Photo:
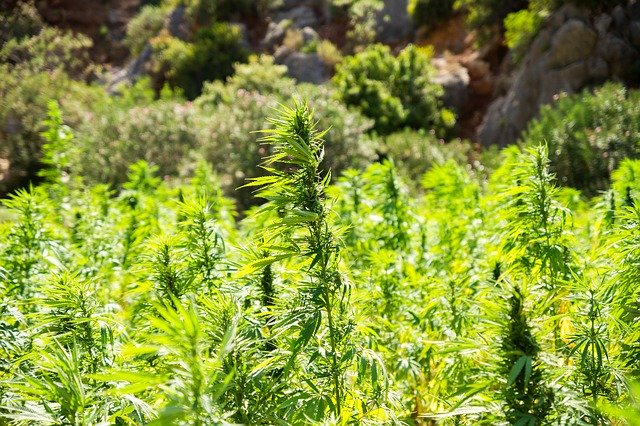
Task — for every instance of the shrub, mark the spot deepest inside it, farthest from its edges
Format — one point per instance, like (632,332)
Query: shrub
(520,28)
(225,137)
(329,53)
(346,142)
(19,22)
(394,91)
(144,26)
(429,12)
(113,136)
(362,16)
(589,134)
(23,108)
(206,11)
(49,50)
(210,56)
(484,13)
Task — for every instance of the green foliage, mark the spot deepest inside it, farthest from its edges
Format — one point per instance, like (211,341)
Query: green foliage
(416,152)
(228,114)
(362,16)
(394,91)
(210,56)
(429,12)
(144,26)
(588,135)
(490,12)
(159,132)
(471,301)
(50,50)
(520,28)
(19,22)
(261,75)
(528,401)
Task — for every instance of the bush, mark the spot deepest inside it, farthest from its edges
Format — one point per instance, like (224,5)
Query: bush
(261,75)
(520,28)
(589,134)
(116,134)
(23,107)
(429,12)
(206,11)
(483,13)
(20,22)
(346,143)
(394,91)
(49,50)
(329,53)
(144,26)
(210,56)
(362,16)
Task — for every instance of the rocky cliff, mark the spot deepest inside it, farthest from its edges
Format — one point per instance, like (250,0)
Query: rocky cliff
(573,50)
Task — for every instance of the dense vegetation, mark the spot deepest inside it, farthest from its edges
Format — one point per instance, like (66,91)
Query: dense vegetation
(218,243)
(335,301)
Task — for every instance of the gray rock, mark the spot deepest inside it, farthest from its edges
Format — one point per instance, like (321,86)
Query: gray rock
(573,77)
(177,24)
(598,68)
(619,16)
(634,11)
(634,33)
(571,11)
(542,42)
(602,23)
(274,36)
(300,16)
(573,41)
(393,22)
(455,83)
(309,35)
(568,54)
(304,67)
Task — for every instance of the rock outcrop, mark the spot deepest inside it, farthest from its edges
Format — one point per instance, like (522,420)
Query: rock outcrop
(572,51)
(454,79)
(393,22)
(304,67)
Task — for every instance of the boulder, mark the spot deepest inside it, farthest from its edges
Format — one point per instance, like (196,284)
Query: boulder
(300,16)
(177,23)
(454,80)
(309,35)
(570,53)
(274,36)
(304,67)
(573,41)
(393,22)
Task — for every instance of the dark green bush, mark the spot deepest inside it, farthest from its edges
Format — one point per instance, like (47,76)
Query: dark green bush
(210,56)
(49,50)
(429,12)
(19,22)
(144,26)
(394,91)
(484,13)
(24,94)
(589,134)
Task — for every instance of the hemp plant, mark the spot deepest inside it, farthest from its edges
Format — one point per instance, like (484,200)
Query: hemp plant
(301,230)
